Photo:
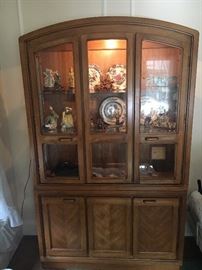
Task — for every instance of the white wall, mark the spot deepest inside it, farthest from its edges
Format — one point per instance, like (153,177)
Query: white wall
(18,17)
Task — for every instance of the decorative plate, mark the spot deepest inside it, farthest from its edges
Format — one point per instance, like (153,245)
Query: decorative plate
(117,73)
(113,111)
(94,76)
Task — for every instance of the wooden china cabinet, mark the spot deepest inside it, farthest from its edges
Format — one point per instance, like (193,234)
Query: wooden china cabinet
(109,104)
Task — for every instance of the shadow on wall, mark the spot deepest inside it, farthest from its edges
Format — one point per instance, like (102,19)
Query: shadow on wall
(5,147)
(15,156)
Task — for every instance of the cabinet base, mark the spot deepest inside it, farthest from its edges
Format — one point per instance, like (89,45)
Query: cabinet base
(112,265)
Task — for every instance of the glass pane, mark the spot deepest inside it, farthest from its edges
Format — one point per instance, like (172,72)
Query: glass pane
(56,83)
(107,73)
(61,160)
(157,160)
(109,160)
(160,78)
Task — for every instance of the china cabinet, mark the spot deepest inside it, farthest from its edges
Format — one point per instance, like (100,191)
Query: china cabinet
(109,105)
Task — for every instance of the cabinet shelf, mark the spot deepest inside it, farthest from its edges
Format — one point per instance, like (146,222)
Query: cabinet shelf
(59,91)
(107,94)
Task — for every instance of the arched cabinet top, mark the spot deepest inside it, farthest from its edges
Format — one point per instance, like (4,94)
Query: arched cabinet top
(113,21)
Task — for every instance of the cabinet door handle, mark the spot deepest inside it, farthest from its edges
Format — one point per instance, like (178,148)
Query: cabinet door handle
(149,201)
(151,138)
(69,200)
(65,139)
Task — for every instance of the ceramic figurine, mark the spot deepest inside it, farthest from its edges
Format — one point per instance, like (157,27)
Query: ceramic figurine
(71,80)
(67,120)
(51,120)
(57,79)
(49,79)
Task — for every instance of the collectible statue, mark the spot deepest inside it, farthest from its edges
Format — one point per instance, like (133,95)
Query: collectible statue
(49,79)
(67,120)
(52,79)
(71,80)
(57,78)
(51,120)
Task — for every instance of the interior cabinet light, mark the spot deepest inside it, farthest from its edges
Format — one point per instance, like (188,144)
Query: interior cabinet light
(111,44)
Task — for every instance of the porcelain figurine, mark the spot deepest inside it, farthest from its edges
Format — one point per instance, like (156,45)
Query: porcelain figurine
(57,78)
(51,120)
(67,120)
(71,80)
(49,78)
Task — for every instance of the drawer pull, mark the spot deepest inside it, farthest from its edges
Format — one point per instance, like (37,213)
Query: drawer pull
(69,200)
(149,201)
(151,139)
(65,139)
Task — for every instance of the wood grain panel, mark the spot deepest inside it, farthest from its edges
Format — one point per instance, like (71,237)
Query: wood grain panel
(64,221)
(155,228)
(109,227)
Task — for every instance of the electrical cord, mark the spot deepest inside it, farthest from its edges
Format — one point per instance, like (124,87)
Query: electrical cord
(25,188)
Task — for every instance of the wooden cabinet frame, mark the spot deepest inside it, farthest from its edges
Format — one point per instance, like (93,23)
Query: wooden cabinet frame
(169,194)
(62,138)
(122,137)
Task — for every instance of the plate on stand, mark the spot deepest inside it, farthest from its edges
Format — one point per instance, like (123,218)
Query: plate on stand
(117,73)
(94,77)
(113,111)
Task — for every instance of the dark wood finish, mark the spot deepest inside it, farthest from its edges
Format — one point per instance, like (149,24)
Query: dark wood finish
(65,226)
(109,226)
(132,221)
(155,228)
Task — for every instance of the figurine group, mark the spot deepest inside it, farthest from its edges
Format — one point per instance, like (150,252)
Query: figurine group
(165,120)
(67,122)
(52,79)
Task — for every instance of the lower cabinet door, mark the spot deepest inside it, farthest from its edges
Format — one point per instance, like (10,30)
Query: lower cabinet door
(64,226)
(109,226)
(155,228)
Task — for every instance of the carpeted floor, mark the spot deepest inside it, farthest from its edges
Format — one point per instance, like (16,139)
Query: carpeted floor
(27,256)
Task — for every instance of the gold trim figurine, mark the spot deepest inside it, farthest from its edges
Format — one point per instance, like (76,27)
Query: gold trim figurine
(51,120)
(67,120)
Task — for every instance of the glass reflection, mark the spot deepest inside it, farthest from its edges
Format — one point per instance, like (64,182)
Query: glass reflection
(157,160)
(109,160)
(159,87)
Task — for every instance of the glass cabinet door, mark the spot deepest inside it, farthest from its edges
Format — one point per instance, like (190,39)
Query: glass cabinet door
(56,83)
(107,101)
(107,85)
(59,113)
(160,80)
(109,160)
(61,160)
(157,161)
(160,117)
